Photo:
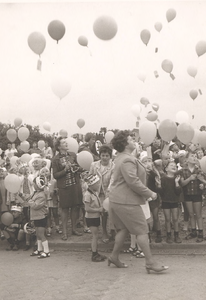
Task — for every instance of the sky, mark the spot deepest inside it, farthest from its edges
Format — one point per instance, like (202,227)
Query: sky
(104,76)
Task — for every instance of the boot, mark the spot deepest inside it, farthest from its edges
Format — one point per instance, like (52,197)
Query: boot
(199,236)
(177,239)
(192,235)
(158,237)
(169,238)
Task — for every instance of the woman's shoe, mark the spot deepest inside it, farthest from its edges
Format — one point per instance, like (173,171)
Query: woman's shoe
(35,253)
(117,263)
(139,254)
(44,255)
(131,250)
(156,269)
(64,237)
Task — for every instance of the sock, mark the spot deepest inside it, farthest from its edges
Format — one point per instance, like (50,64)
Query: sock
(39,245)
(45,245)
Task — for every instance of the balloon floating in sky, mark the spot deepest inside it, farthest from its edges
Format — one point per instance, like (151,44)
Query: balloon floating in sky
(56,30)
(60,86)
(47,126)
(167,130)
(136,109)
(105,28)
(155,106)
(193,94)
(185,133)
(23,133)
(17,122)
(192,71)
(80,123)
(147,132)
(11,135)
(158,26)
(167,66)
(145,36)
(142,76)
(83,41)
(182,117)
(170,14)
(144,101)
(37,44)
(201,48)
(152,116)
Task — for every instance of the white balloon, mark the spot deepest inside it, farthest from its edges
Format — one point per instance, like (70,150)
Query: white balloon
(182,117)
(60,86)
(136,110)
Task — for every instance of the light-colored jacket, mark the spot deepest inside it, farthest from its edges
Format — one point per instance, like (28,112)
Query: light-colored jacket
(106,177)
(38,207)
(129,181)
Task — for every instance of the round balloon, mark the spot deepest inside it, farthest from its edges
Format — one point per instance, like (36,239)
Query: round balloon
(23,133)
(11,135)
(47,126)
(105,204)
(202,138)
(155,106)
(144,101)
(192,71)
(136,109)
(83,41)
(13,160)
(80,123)
(17,122)
(152,116)
(105,28)
(203,164)
(109,136)
(63,133)
(85,159)
(158,26)
(60,86)
(26,157)
(195,137)
(193,94)
(37,42)
(56,30)
(170,14)
(167,130)
(72,144)
(201,48)
(41,144)
(7,218)
(142,76)
(147,132)
(182,117)
(185,133)
(167,65)
(145,36)
(24,146)
(12,183)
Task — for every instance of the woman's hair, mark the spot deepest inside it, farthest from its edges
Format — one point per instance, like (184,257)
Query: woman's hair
(105,149)
(119,141)
(57,143)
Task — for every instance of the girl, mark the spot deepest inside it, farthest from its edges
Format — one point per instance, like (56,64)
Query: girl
(170,190)
(93,210)
(38,214)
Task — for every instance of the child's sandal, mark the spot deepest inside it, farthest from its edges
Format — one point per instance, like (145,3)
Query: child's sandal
(36,253)
(44,255)
(130,250)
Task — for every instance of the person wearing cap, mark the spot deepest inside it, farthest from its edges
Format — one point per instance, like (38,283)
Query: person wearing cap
(93,208)
(38,214)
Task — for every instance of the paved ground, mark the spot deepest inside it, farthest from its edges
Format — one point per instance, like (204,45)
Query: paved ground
(70,275)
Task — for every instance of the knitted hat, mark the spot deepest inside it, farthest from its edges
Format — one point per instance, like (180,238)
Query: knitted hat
(16,208)
(40,182)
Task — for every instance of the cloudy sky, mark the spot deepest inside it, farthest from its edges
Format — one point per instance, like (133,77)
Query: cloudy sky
(104,76)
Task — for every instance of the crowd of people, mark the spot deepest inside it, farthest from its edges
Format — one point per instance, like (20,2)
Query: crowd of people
(138,180)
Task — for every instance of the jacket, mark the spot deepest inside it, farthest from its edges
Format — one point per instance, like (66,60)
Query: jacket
(129,181)
(38,207)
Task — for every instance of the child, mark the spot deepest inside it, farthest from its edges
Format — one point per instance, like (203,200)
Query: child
(170,190)
(93,210)
(38,214)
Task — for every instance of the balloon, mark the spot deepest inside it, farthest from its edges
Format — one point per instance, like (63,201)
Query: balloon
(12,183)
(167,65)
(141,76)
(47,126)
(201,48)
(85,159)
(80,123)
(202,138)
(109,136)
(167,130)
(147,132)
(24,146)
(37,42)
(60,86)
(158,26)
(195,137)
(145,36)
(193,94)
(182,117)
(152,116)
(170,14)
(63,133)
(11,135)
(83,41)
(7,218)
(185,133)
(72,144)
(13,160)
(203,164)
(26,157)
(136,109)
(192,71)
(105,28)
(155,106)
(41,144)
(144,101)
(17,122)
(105,204)
(56,30)
(23,133)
